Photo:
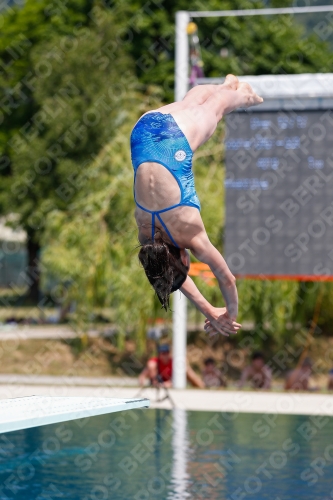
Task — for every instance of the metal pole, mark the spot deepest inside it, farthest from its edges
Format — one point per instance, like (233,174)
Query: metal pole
(179,336)
(179,300)
(261,12)
(182,55)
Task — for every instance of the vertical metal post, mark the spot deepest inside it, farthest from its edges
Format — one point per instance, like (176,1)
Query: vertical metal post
(179,300)
(182,55)
(179,336)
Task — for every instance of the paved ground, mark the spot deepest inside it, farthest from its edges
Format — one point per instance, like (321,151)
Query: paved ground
(50,380)
(13,332)
(189,399)
(23,332)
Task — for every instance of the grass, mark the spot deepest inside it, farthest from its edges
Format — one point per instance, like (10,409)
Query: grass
(54,357)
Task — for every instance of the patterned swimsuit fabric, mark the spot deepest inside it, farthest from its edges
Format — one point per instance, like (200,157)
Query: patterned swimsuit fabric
(157,138)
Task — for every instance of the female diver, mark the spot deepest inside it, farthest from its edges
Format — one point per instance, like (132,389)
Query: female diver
(167,207)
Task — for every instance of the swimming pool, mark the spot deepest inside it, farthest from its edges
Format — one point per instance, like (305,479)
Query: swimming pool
(171,455)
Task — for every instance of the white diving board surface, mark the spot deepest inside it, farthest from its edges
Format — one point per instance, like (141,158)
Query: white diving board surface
(33,411)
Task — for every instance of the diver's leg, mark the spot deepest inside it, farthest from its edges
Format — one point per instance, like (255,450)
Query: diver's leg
(200,93)
(198,122)
(223,102)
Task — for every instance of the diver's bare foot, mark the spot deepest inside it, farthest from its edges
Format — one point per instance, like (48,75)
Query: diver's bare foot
(231,82)
(248,96)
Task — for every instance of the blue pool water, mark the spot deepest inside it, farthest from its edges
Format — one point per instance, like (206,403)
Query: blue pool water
(171,455)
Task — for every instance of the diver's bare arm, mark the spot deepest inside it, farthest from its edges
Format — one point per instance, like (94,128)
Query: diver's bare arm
(203,250)
(215,315)
(191,291)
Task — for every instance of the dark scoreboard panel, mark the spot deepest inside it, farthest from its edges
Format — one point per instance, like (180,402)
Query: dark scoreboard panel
(279,193)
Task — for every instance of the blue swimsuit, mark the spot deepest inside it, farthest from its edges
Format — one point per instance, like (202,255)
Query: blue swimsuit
(157,138)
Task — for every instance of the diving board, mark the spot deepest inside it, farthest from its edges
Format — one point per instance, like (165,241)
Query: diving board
(33,411)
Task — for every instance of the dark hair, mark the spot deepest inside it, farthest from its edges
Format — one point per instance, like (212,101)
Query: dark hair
(257,355)
(209,361)
(164,268)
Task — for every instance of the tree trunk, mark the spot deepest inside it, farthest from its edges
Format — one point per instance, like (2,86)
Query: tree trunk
(33,270)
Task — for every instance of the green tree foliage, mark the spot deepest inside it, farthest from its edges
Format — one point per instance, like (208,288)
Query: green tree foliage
(21,30)
(27,172)
(252,45)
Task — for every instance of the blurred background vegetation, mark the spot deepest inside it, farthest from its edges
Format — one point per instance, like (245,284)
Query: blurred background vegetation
(73,85)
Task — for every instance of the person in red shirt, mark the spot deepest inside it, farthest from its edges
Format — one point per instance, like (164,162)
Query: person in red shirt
(159,370)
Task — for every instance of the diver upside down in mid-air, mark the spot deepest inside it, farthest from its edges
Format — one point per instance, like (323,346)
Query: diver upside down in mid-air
(163,142)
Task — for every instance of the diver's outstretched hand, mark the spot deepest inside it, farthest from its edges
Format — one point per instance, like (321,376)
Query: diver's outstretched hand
(221,323)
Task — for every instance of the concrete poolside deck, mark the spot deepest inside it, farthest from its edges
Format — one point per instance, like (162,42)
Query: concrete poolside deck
(12,386)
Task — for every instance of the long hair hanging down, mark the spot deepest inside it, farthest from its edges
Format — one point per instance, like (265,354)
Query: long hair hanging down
(164,268)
